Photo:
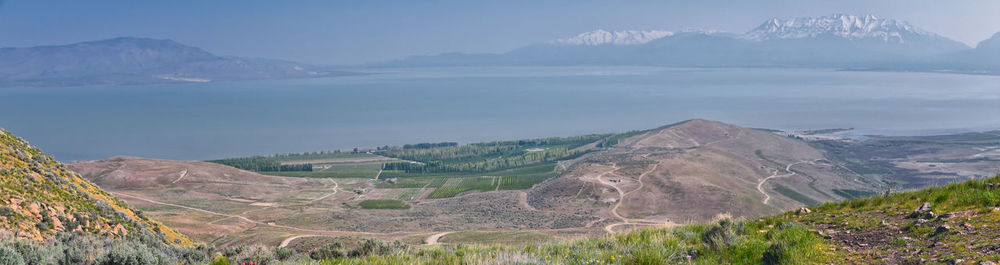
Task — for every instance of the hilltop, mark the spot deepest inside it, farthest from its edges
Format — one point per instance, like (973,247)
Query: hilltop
(694,171)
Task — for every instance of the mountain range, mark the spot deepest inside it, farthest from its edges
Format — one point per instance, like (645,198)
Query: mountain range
(130,60)
(836,41)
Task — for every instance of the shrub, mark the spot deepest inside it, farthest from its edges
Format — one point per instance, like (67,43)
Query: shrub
(6,211)
(76,254)
(220,260)
(375,248)
(10,257)
(30,252)
(719,236)
(328,251)
(776,254)
(234,251)
(283,253)
(130,254)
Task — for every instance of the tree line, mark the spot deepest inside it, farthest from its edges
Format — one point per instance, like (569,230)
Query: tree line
(260,164)
(428,145)
(481,161)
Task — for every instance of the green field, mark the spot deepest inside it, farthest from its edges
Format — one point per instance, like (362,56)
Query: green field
(447,168)
(463,185)
(451,184)
(493,156)
(384,204)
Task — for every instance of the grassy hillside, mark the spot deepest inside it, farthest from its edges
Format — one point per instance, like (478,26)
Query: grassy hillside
(961,227)
(40,197)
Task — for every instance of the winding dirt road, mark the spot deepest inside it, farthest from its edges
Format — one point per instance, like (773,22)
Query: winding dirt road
(788,168)
(621,198)
(433,239)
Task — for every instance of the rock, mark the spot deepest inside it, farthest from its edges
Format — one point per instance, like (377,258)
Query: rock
(942,229)
(957,261)
(804,210)
(987,263)
(920,221)
(968,226)
(921,211)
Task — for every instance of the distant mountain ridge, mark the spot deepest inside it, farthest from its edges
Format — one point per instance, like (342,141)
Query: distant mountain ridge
(130,60)
(621,37)
(836,41)
(840,25)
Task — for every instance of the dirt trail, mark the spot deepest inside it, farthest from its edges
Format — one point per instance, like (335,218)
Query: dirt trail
(788,168)
(284,243)
(522,199)
(183,174)
(185,207)
(621,196)
(311,232)
(760,186)
(335,186)
(433,239)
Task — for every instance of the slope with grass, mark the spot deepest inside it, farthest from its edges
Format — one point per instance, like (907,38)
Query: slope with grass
(881,230)
(40,197)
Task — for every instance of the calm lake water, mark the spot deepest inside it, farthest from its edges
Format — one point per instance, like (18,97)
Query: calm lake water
(399,106)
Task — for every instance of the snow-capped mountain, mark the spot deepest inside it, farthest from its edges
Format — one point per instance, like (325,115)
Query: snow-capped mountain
(837,41)
(868,27)
(621,37)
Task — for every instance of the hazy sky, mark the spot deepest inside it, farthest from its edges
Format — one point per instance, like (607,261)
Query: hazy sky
(349,31)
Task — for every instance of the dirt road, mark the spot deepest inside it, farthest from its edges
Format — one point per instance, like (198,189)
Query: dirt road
(433,239)
(621,198)
(788,168)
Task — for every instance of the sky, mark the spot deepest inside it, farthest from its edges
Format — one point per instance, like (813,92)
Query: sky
(344,32)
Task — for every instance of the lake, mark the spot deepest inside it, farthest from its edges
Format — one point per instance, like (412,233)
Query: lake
(198,121)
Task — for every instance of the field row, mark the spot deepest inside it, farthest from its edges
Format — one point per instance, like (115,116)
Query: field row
(450,185)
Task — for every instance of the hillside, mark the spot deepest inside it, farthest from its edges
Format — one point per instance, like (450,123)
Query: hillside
(694,171)
(198,193)
(40,198)
(986,56)
(130,60)
(960,227)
